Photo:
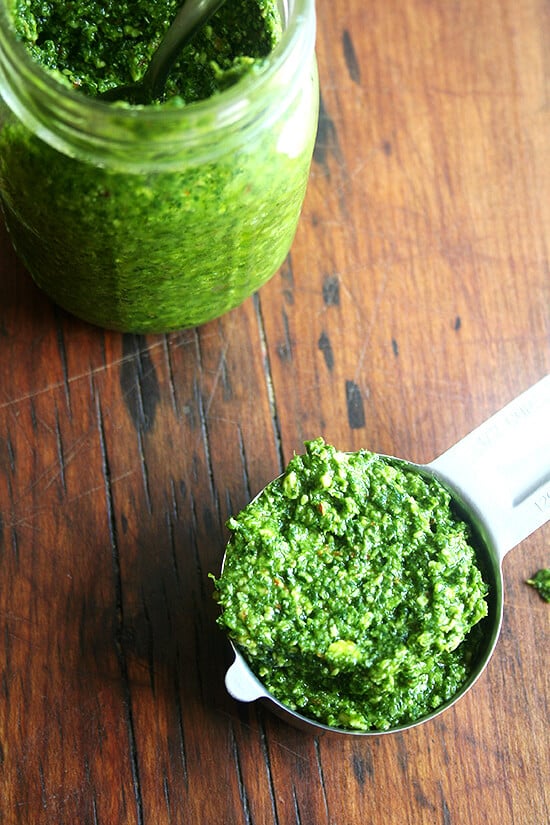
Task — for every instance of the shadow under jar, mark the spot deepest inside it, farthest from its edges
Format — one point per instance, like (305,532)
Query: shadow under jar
(159,217)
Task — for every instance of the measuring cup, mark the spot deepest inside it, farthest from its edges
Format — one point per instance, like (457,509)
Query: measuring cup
(499,480)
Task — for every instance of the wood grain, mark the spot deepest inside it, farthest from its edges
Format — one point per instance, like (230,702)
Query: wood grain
(414,303)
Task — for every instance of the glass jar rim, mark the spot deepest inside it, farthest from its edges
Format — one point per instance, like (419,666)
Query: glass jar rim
(151,137)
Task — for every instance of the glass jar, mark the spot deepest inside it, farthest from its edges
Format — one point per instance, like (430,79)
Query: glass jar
(150,219)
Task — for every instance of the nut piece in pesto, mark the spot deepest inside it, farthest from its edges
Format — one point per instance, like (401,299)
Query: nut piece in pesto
(353,591)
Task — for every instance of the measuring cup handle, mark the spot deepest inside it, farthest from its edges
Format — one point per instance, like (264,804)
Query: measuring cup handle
(241,683)
(502,468)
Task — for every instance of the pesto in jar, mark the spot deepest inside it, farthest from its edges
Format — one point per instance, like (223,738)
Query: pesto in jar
(153,245)
(352,590)
(94,46)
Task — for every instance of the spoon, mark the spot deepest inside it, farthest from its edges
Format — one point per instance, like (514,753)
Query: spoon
(499,479)
(192,15)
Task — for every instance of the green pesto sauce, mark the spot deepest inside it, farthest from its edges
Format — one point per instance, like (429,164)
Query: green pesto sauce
(352,590)
(94,46)
(541,582)
(156,251)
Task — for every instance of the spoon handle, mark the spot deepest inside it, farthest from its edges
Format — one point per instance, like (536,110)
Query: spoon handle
(192,15)
(502,468)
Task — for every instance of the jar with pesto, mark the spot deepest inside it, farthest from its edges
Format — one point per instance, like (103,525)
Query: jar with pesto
(158,217)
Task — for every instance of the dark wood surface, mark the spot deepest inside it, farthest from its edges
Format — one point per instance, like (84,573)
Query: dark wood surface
(414,304)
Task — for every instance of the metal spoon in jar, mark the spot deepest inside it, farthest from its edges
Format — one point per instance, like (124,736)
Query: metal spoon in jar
(499,479)
(191,17)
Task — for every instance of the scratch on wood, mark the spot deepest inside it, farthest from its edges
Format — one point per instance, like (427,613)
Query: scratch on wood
(14,543)
(203,419)
(446,813)
(421,797)
(362,767)
(238,769)
(244,463)
(179,710)
(268,375)
(207,521)
(26,518)
(94,811)
(296,806)
(11,452)
(351,57)
(287,276)
(166,789)
(34,420)
(42,785)
(63,358)
(372,322)
(87,375)
(331,290)
(284,347)
(150,644)
(144,471)
(170,370)
(60,457)
(51,473)
(220,375)
(326,141)
(326,348)
(271,783)
(139,383)
(321,776)
(119,615)
(171,519)
(354,403)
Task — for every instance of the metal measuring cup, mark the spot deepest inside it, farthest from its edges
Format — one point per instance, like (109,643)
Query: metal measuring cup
(499,479)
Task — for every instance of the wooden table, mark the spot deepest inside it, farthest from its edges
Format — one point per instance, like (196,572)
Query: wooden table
(414,304)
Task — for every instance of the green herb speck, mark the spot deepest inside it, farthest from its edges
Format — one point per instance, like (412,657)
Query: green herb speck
(541,582)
